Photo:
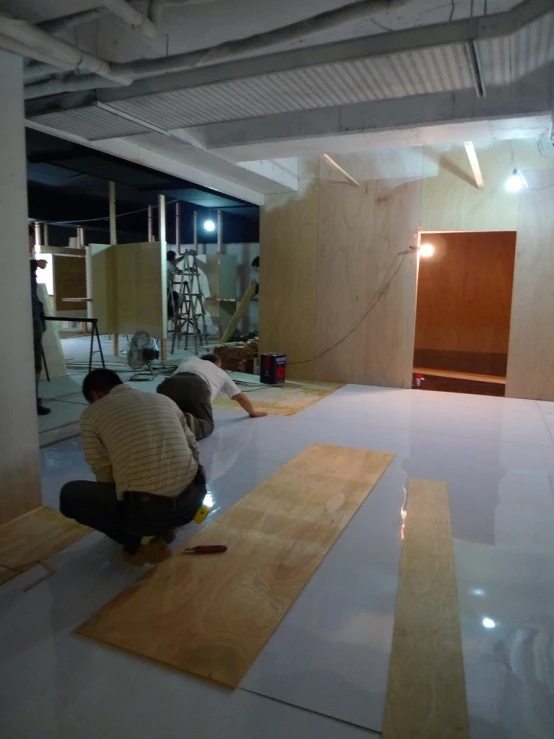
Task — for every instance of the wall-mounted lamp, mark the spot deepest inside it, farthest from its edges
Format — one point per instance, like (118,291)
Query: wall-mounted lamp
(424,250)
(209,226)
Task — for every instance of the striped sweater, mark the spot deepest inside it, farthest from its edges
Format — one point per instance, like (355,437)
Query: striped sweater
(140,441)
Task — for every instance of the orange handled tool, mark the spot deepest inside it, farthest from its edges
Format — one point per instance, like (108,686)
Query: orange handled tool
(207,549)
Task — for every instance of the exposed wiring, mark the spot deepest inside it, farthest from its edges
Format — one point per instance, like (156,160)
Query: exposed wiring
(452,10)
(106,218)
(371,306)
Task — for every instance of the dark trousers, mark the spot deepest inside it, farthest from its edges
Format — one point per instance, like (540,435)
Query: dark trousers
(192,394)
(126,521)
(37,346)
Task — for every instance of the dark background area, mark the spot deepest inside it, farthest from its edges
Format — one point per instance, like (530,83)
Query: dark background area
(69,182)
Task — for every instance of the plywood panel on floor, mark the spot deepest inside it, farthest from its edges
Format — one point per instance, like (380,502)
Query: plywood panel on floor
(33,537)
(283,400)
(531,355)
(288,255)
(464,298)
(362,234)
(426,696)
(212,615)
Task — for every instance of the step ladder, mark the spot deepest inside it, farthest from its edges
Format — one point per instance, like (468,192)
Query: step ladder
(189,315)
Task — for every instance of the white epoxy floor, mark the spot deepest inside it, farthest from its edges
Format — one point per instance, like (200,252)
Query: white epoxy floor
(323,673)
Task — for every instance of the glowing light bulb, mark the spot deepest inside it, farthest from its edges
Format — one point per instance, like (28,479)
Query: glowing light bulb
(515,182)
(209,225)
(427,250)
(488,623)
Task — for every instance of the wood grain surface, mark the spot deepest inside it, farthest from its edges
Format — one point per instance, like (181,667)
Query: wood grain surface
(464,299)
(33,537)
(288,274)
(364,233)
(70,281)
(531,357)
(426,695)
(212,615)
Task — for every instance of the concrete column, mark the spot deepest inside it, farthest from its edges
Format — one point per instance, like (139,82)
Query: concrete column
(19,459)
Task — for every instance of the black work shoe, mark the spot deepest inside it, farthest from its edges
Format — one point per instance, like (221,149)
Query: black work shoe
(43,410)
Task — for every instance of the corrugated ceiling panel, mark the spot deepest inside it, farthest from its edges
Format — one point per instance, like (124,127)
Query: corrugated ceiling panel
(398,75)
(507,59)
(91,123)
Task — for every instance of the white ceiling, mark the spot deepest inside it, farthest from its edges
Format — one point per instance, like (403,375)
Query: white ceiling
(282,103)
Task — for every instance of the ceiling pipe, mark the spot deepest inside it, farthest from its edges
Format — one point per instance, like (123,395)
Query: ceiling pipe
(242,47)
(42,46)
(158,6)
(36,71)
(10,44)
(74,83)
(131,16)
(67,22)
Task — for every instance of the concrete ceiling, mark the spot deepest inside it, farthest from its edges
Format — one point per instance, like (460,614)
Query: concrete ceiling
(429,72)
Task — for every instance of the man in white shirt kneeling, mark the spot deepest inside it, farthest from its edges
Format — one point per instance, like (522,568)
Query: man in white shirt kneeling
(149,480)
(195,384)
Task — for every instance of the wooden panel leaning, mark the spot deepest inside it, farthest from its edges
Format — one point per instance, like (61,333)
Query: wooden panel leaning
(426,695)
(211,616)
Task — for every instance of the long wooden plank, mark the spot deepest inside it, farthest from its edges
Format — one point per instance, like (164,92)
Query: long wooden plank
(461,375)
(426,696)
(33,537)
(212,615)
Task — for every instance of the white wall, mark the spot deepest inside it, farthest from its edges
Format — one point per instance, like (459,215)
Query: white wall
(19,461)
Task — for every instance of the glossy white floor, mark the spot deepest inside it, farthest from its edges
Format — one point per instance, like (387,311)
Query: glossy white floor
(323,673)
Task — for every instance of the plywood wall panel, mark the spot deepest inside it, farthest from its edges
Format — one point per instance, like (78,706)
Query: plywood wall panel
(362,234)
(450,198)
(531,352)
(464,301)
(288,255)
(140,290)
(101,277)
(70,281)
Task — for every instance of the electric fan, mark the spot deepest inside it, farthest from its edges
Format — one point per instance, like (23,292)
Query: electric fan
(143,350)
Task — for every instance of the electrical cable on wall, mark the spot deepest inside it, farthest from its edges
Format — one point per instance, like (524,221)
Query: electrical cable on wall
(372,305)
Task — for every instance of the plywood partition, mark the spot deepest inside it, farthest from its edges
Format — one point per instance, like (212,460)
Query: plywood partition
(128,288)
(531,352)
(288,256)
(70,281)
(463,302)
(141,302)
(364,234)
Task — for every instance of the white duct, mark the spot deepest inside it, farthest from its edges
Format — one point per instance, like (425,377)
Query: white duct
(39,45)
(70,21)
(130,15)
(158,6)
(9,44)
(353,12)
(74,83)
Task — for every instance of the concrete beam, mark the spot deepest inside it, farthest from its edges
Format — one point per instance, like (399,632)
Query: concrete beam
(132,152)
(529,96)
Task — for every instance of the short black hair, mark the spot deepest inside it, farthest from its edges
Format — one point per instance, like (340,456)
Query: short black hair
(100,381)
(211,357)
(171,255)
(256,262)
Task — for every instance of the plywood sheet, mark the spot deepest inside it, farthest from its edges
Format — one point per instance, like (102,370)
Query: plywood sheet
(33,537)
(141,303)
(212,615)
(51,343)
(288,258)
(362,233)
(283,400)
(531,355)
(464,299)
(451,200)
(426,697)
(70,281)
(101,286)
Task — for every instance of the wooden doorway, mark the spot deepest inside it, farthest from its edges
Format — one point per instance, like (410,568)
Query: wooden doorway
(464,299)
